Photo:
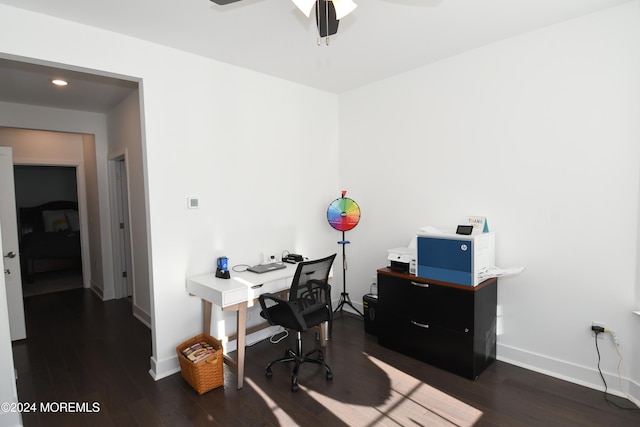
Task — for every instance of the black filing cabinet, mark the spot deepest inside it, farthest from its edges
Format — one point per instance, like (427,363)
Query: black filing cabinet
(447,325)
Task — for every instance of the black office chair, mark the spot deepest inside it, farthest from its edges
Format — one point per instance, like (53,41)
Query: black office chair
(308,305)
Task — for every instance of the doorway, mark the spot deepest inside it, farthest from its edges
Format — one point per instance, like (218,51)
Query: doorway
(110,124)
(51,256)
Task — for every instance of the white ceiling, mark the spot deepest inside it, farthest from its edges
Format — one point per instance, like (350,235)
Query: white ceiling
(379,39)
(26,83)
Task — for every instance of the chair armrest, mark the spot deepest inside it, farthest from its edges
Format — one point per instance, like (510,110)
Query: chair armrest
(269,296)
(276,299)
(290,307)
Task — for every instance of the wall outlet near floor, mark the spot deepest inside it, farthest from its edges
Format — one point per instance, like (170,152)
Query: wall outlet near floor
(600,324)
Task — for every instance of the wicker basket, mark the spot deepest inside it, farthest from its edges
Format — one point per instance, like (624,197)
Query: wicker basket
(206,374)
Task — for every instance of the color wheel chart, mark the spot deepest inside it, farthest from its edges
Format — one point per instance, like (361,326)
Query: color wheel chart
(343,215)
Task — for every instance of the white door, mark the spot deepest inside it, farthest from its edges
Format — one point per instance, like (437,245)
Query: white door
(8,389)
(11,252)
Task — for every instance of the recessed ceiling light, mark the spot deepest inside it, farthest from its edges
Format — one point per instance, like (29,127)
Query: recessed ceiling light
(59,82)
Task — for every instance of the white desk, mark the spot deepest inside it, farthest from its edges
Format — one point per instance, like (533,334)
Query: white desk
(234,295)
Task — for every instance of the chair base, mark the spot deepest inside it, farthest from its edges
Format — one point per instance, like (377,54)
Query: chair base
(299,358)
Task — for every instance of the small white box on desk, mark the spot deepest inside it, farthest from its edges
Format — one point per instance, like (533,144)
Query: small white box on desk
(454,258)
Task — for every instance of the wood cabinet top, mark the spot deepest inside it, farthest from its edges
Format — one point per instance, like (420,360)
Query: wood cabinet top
(389,272)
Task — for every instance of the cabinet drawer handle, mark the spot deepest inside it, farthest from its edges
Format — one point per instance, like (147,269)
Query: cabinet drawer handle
(420,325)
(421,285)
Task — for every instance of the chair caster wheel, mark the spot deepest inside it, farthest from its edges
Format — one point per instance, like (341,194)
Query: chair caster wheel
(268,373)
(294,387)
(329,376)
(320,356)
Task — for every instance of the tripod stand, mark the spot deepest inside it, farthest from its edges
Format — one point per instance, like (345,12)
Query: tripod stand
(344,296)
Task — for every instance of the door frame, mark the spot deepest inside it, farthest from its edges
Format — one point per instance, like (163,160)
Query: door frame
(82,207)
(121,234)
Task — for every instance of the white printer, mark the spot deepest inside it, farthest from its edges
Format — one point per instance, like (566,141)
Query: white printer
(455,258)
(403,260)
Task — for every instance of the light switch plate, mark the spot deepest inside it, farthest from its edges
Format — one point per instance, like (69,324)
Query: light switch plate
(193,203)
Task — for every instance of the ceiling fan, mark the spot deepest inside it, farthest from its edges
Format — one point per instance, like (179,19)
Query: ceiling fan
(328,13)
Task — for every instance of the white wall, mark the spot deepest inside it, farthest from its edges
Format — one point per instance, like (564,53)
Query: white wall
(102,277)
(36,147)
(251,147)
(540,134)
(125,140)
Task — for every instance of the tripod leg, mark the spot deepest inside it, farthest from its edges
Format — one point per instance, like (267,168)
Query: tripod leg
(348,300)
(344,296)
(345,299)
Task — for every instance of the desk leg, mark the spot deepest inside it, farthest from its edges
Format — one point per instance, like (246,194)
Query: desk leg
(241,341)
(323,333)
(206,321)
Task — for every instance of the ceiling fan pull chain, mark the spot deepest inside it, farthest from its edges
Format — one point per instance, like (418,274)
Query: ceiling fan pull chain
(326,15)
(319,38)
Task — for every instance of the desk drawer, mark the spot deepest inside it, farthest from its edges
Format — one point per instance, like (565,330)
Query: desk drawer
(234,296)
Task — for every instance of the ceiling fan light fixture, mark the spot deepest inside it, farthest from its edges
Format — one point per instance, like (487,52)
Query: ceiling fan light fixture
(328,14)
(305,6)
(343,7)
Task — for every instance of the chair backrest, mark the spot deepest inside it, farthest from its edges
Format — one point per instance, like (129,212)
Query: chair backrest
(308,271)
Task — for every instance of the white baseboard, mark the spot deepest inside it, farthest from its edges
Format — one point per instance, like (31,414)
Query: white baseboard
(142,316)
(97,290)
(164,368)
(581,375)
(634,392)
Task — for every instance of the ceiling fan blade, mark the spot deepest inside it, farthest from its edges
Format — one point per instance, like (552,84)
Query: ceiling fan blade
(224,2)
(305,6)
(343,7)
(326,18)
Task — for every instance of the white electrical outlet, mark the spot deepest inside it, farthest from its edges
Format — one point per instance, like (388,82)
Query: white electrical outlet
(268,257)
(599,324)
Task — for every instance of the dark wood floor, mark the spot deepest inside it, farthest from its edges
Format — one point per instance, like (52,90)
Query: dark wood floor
(83,350)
